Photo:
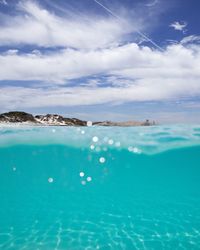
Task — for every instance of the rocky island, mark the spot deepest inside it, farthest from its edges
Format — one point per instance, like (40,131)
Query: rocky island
(18,117)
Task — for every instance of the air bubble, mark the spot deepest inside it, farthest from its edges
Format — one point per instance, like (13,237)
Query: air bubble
(83,182)
(92,147)
(130,149)
(118,144)
(89,178)
(102,160)
(50,180)
(136,150)
(82,174)
(105,149)
(110,141)
(98,149)
(95,139)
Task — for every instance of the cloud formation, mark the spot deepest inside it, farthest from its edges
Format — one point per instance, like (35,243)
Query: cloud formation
(180,26)
(193,39)
(137,74)
(4,2)
(94,49)
(40,27)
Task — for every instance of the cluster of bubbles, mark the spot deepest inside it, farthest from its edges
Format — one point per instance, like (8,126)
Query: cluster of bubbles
(134,150)
(97,146)
(81,131)
(84,181)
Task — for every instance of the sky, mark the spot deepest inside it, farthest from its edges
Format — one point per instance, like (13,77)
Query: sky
(101,59)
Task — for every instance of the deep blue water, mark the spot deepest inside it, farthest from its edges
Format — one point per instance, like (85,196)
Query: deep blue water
(140,189)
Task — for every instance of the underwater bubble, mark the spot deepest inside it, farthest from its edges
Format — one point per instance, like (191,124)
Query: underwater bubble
(95,139)
(92,147)
(14,168)
(82,132)
(82,174)
(83,182)
(102,159)
(98,149)
(130,149)
(53,130)
(105,149)
(110,141)
(89,178)
(50,180)
(136,150)
(117,144)
(89,123)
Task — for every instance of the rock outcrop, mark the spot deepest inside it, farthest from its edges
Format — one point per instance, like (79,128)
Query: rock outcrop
(17,116)
(58,120)
(54,119)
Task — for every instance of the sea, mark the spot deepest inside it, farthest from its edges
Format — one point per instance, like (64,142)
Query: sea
(86,188)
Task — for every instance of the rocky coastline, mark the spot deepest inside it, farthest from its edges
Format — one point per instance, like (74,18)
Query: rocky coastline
(19,117)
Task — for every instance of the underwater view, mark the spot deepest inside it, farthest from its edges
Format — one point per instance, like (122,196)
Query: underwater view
(99,187)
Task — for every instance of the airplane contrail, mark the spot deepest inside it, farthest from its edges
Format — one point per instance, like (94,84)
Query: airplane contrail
(120,19)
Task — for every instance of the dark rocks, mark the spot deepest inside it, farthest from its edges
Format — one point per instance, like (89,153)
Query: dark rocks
(76,121)
(49,119)
(17,116)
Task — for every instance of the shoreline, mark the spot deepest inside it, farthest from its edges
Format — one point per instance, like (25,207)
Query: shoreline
(18,118)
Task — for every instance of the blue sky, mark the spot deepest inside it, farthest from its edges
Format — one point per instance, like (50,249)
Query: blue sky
(101,60)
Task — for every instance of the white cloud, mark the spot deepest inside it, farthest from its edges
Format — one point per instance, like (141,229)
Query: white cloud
(152,3)
(130,61)
(148,75)
(132,72)
(180,26)
(38,26)
(190,39)
(4,2)
(143,90)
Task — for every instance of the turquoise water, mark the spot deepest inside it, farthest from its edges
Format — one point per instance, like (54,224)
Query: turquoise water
(100,188)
